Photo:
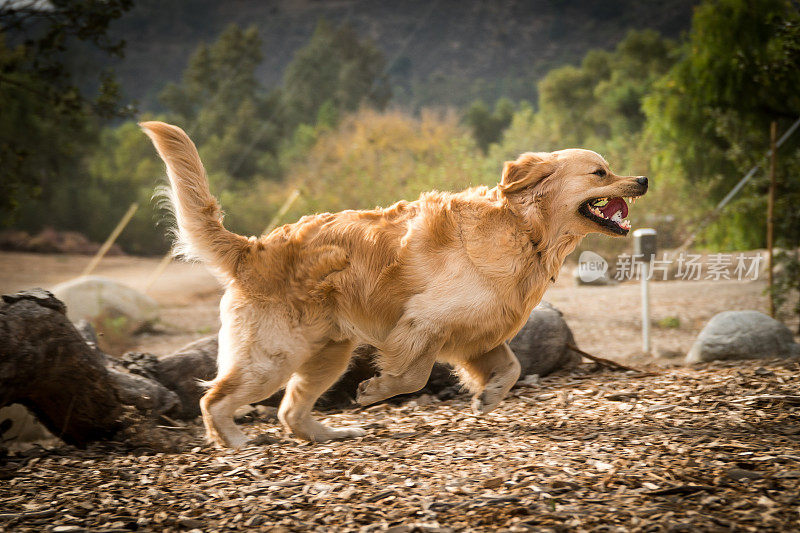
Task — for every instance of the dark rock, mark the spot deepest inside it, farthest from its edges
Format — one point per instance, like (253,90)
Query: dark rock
(38,295)
(442,381)
(146,395)
(541,344)
(738,474)
(140,363)
(46,366)
(87,331)
(71,387)
(182,371)
(541,347)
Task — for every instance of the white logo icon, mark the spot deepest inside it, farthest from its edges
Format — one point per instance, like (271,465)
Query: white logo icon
(591,266)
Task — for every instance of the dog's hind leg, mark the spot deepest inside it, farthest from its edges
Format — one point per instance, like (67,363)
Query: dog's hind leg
(406,363)
(307,384)
(252,368)
(490,376)
(229,392)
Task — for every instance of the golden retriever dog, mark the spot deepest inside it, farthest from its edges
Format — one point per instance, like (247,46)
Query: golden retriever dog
(448,277)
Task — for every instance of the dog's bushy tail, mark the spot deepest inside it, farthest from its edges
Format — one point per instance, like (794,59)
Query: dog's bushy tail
(199,233)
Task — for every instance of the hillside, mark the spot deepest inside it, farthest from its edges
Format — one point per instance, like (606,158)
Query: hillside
(439,52)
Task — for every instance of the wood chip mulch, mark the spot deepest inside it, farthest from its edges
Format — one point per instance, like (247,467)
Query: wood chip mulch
(706,448)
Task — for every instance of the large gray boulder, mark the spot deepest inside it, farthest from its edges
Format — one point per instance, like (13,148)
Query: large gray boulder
(93,297)
(541,344)
(742,335)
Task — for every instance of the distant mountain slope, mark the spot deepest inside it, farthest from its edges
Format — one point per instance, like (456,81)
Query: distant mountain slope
(440,52)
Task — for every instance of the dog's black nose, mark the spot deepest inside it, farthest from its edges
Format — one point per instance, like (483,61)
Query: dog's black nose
(641,180)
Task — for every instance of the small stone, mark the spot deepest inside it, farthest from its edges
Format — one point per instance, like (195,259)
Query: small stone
(262,440)
(739,474)
(267,412)
(493,482)
(190,523)
(244,412)
(531,380)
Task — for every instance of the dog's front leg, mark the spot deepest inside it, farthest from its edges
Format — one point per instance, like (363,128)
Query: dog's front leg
(386,385)
(490,376)
(406,363)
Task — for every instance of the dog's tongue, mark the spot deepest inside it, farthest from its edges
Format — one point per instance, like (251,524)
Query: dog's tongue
(614,205)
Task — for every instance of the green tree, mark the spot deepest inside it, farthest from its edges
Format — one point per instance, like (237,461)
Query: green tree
(337,69)
(487,127)
(234,121)
(738,71)
(46,119)
(122,170)
(377,158)
(602,99)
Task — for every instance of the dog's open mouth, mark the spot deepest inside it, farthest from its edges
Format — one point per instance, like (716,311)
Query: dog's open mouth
(609,213)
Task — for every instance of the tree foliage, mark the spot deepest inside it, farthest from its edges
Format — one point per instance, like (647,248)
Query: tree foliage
(487,126)
(46,118)
(375,158)
(738,71)
(226,110)
(337,69)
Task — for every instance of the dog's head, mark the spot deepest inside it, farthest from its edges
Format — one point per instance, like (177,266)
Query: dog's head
(571,190)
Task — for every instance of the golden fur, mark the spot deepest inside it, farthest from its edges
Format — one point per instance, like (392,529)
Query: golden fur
(448,277)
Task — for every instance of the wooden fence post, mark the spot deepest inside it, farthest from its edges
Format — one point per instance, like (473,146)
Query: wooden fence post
(110,240)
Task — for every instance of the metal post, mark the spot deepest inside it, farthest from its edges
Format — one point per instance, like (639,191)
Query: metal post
(773,134)
(645,270)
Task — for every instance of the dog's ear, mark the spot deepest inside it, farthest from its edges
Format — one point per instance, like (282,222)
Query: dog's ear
(529,169)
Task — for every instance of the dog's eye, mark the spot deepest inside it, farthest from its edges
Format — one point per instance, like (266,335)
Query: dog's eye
(599,172)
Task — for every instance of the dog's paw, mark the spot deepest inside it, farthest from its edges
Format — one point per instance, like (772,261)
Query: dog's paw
(263,440)
(477,406)
(482,405)
(339,434)
(348,433)
(488,399)
(365,396)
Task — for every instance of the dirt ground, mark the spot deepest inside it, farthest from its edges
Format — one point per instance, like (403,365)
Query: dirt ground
(606,321)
